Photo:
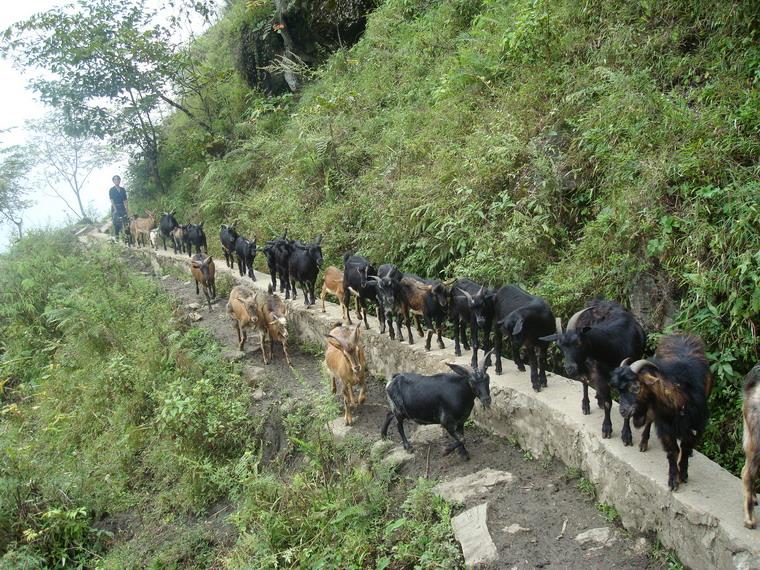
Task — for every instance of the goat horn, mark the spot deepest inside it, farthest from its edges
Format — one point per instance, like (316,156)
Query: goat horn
(466,294)
(482,365)
(639,364)
(558,324)
(373,277)
(626,361)
(574,319)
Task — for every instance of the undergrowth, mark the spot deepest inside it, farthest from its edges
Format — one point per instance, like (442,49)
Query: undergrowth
(126,440)
(604,148)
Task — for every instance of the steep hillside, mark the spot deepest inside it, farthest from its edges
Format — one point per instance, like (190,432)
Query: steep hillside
(604,148)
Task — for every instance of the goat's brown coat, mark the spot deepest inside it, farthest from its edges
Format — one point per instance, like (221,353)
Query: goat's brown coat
(333,284)
(196,269)
(242,308)
(751,413)
(271,313)
(345,361)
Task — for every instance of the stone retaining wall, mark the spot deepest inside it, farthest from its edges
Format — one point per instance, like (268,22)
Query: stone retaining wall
(702,521)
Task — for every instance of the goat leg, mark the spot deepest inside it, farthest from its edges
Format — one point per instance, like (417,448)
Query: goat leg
(542,364)
(465,342)
(407,445)
(475,343)
(516,355)
(439,330)
(497,338)
(625,434)
(386,424)
(363,305)
(397,318)
(285,350)
(671,449)
(457,347)
(585,403)
(644,443)
(748,475)
(533,362)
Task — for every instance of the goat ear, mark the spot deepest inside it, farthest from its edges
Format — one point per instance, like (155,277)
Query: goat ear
(648,379)
(517,329)
(463,371)
(335,341)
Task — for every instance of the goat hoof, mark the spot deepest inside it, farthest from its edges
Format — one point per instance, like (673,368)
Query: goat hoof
(544,384)
(441,345)
(457,352)
(749,524)
(627,439)
(606,432)
(586,408)
(643,446)
(409,448)
(521,367)
(536,387)
(498,370)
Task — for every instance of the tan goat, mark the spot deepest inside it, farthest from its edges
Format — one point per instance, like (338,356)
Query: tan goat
(344,359)
(333,284)
(751,412)
(140,228)
(204,272)
(242,308)
(271,313)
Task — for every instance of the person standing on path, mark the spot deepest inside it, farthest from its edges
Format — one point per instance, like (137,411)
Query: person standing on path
(119,203)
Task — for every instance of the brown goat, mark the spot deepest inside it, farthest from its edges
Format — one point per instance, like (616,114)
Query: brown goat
(178,237)
(344,358)
(242,308)
(426,298)
(204,272)
(751,412)
(271,313)
(140,228)
(333,284)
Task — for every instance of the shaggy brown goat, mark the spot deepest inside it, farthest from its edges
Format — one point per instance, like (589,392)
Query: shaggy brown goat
(242,308)
(271,313)
(333,284)
(204,272)
(751,412)
(140,228)
(344,358)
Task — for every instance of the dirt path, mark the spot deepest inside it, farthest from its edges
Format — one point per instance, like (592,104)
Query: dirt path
(536,519)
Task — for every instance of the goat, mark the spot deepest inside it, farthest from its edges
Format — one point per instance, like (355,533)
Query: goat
(281,250)
(597,338)
(444,399)
(470,304)
(271,261)
(154,238)
(427,298)
(333,284)
(178,238)
(673,388)
(228,236)
(303,266)
(523,318)
(242,308)
(204,272)
(246,251)
(388,294)
(344,359)
(751,413)
(357,280)
(166,225)
(271,314)
(194,235)
(139,228)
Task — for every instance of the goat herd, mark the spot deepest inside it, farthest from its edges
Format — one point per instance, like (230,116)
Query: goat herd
(602,344)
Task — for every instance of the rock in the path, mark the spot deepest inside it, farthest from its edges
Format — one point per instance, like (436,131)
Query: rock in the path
(397,457)
(233,355)
(258,394)
(195,317)
(471,530)
(515,528)
(600,536)
(193,306)
(474,484)
(426,434)
(641,546)
(339,428)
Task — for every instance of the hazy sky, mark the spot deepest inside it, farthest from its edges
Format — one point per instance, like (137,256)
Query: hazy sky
(17,105)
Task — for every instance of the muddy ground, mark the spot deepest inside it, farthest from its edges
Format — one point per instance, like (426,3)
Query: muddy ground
(543,498)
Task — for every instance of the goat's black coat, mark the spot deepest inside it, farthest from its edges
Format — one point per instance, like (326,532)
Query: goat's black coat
(195,236)
(446,399)
(357,271)
(165,226)
(228,236)
(246,251)
(524,319)
(476,311)
(303,267)
(388,285)
(604,336)
(675,390)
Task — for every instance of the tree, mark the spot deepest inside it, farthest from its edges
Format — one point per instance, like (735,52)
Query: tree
(66,160)
(108,68)
(14,165)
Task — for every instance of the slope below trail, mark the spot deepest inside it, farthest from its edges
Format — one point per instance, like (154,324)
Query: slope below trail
(537,515)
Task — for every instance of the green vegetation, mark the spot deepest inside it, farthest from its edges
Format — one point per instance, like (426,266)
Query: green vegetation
(580,150)
(115,415)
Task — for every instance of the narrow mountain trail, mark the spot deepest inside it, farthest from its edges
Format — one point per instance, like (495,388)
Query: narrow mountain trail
(538,513)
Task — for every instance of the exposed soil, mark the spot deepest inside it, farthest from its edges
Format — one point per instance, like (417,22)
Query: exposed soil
(543,497)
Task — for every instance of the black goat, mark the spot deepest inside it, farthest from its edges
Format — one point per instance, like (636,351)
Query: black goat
(246,251)
(388,293)
(269,254)
(358,274)
(471,304)
(228,236)
(427,298)
(166,226)
(303,266)
(524,319)
(597,339)
(674,386)
(444,399)
(282,250)
(195,236)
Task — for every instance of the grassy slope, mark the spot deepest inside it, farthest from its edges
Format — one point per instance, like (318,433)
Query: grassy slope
(568,147)
(115,414)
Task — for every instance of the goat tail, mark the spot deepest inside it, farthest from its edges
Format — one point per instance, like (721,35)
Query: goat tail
(395,401)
